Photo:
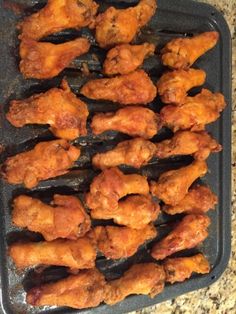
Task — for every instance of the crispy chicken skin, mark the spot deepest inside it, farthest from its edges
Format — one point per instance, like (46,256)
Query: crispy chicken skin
(86,289)
(135,153)
(195,112)
(65,218)
(126,58)
(135,88)
(109,186)
(198,144)
(58,107)
(173,185)
(181,53)
(198,200)
(134,121)
(44,60)
(115,26)
(122,242)
(190,231)
(173,86)
(58,15)
(181,268)
(135,212)
(46,160)
(76,254)
(146,278)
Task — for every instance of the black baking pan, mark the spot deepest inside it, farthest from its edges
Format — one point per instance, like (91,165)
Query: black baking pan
(174,18)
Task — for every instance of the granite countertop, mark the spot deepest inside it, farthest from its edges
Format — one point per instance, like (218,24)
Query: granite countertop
(220,297)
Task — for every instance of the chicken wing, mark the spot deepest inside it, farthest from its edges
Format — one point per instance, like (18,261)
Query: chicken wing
(115,26)
(76,254)
(66,218)
(146,278)
(122,242)
(134,153)
(181,53)
(126,58)
(59,107)
(134,121)
(135,212)
(86,289)
(111,185)
(180,268)
(198,200)
(190,231)
(173,86)
(46,160)
(173,185)
(135,88)
(195,112)
(198,144)
(58,15)
(44,60)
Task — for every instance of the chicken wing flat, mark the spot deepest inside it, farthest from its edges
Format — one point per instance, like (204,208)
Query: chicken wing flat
(181,53)
(124,59)
(135,153)
(86,289)
(135,88)
(190,231)
(44,60)
(76,254)
(58,15)
(59,107)
(65,218)
(122,242)
(173,86)
(111,185)
(195,112)
(198,144)
(134,121)
(46,160)
(198,200)
(146,278)
(180,268)
(173,185)
(115,26)
(135,212)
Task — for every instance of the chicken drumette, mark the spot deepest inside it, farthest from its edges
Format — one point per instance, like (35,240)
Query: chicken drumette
(59,107)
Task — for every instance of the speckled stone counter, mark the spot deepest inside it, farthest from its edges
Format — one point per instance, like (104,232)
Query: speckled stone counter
(219,298)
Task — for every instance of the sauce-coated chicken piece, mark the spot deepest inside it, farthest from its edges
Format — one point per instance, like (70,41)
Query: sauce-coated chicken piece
(65,218)
(58,107)
(76,254)
(135,88)
(181,53)
(44,60)
(84,290)
(58,15)
(126,58)
(173,185)
(109,186)
(190,231)
(135,153)
(135,212)
(46,160)
(122,242)
(198,144)
(173,86)
(195,112)
(180,268)
(146,278)
(198,200)
(119,26)
(134,121)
